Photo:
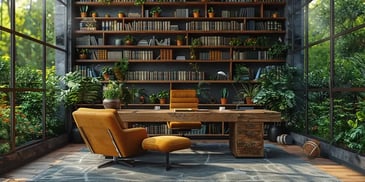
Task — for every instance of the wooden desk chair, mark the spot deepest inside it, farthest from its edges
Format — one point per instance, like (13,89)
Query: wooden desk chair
(183,99)
(103,133)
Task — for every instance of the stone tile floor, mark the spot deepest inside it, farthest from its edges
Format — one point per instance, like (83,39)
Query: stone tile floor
(29,171)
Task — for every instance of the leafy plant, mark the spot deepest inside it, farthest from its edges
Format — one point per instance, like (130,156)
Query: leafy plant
(210,10)
(82,51)
(354,138)
(249,90)
(196,10)
(156,9)
(224,93)
(84,9)
(120,68)
(278,50)
(79,89)
(112,91)
(196,42)
(235,42)
(139,2)
(163,94)
(277,92)
(242,72)
(153,98)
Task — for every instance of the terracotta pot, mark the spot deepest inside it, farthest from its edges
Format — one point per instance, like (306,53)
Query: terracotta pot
(162,101)
(83,56)
(106,76)
(93,15)
(249,100)
(195,14)
(128,42)
(210,15)
(223,100)
(120,15)
(179,42)
(83,14)
(156,15)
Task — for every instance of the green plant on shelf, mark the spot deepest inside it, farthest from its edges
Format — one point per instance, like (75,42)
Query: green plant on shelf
(224,92)
(112,91)
(84,9)
(139,2)
(155,10)
(211,10)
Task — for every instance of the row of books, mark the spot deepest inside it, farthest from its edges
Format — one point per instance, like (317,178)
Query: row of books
(215,40)
(86,71)
(215,25)
(257,55)
(264,25)
(165,75)
(213,55)
(114,25)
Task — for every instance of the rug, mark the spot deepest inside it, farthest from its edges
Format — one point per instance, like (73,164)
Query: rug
(203,162)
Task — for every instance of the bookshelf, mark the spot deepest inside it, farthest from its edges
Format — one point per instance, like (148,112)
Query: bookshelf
(157,63)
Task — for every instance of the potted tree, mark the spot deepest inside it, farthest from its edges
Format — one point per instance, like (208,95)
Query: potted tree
(120,69)
(153,98)
(211,12)
(155,11)
(224,95)
(111,95)
(162,96)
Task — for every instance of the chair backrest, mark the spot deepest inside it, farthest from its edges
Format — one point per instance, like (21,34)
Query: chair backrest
(103,133)
(184,99)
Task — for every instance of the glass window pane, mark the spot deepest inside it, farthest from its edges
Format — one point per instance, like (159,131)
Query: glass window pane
(4,60)
(350,60)
(318,66)
(4,123)
(5,14)
(319,20)
(28,64)
(318,114)
(28,117)
(349,14)
(28,17)
(54,123)
(56,23)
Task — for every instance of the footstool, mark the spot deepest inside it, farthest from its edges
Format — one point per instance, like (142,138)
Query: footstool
(166,144)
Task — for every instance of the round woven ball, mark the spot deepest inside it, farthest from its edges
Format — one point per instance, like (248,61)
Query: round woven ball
(311,149)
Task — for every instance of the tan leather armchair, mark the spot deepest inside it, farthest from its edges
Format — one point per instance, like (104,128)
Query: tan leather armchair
(183,99)
(103,133)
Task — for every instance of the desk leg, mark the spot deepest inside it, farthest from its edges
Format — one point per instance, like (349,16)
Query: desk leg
(247,139)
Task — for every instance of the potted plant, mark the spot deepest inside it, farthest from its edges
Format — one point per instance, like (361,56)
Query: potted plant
(235,42)
(107,72)
(83,53)
(162,96)
(120,14)
(196,13)
(224,95)
(248,91)
(179,40)
(155,11)
(120,69)
(278,50)
(94,14)
(83,11)
(211,12)
(128,40)
(194,43)
(242,72)
(111,95)
(153,99)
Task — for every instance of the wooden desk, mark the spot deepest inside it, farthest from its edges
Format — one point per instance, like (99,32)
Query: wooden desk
(246,134)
